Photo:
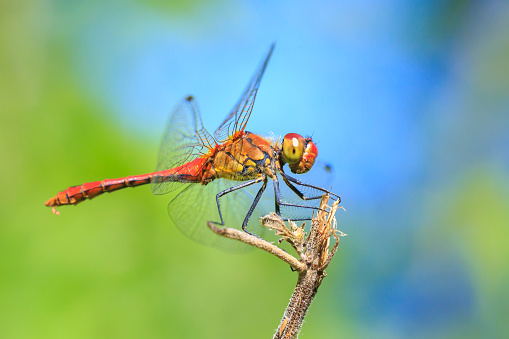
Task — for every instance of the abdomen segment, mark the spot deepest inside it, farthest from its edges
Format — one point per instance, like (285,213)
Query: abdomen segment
(190,172)
(76,194)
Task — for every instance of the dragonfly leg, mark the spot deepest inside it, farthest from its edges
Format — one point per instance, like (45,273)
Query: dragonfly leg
(298,192)
(253,206)
(288,178)
(234,188)
(280,202)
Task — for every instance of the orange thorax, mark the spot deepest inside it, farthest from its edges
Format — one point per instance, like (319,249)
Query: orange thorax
(245,156)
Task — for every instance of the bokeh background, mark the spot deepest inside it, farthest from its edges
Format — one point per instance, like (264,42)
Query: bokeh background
(408,100)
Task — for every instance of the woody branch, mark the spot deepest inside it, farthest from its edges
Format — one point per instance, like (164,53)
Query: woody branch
(314,256)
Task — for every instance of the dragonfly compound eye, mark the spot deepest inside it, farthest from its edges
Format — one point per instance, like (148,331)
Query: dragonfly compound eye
(308,158)
(293,148)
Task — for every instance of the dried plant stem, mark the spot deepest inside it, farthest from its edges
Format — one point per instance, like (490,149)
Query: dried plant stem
(314,258)
(249,239)
(303,295)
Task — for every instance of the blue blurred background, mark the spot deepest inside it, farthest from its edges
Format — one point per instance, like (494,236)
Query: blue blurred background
(408,100)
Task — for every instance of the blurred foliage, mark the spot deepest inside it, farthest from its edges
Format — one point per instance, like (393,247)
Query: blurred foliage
(176,7)
(427,252)
(476,222)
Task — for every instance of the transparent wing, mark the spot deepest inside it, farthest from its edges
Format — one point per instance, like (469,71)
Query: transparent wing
(196,204)
(237,119)
(184,140)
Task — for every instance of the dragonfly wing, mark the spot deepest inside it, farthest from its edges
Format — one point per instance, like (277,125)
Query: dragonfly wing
(184,140)
(237,119)
(196,205)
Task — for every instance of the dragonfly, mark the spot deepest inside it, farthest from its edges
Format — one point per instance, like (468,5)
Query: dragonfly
(223,172)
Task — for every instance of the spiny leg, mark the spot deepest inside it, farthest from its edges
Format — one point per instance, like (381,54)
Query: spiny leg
(298,182)
(234,188)
(298,192)
(253,206)
(279,202)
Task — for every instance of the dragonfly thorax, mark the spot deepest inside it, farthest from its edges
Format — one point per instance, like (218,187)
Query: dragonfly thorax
(244,157)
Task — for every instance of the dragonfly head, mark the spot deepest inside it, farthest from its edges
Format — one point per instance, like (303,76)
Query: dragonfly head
(299,152)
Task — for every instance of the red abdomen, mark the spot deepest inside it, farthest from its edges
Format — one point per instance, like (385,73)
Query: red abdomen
(76,194)
(189,172)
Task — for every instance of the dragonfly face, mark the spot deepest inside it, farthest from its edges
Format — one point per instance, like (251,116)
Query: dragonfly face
(298,152)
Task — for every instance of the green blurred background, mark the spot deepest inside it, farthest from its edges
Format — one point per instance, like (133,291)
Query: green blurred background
(409,101)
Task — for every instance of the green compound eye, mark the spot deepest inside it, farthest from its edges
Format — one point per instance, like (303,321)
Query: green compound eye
(293,148)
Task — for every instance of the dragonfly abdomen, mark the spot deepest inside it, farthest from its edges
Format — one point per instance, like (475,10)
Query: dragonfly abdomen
(76,194)
(190,173)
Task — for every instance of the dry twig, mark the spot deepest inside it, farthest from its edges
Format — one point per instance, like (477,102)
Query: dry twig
(313,252)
